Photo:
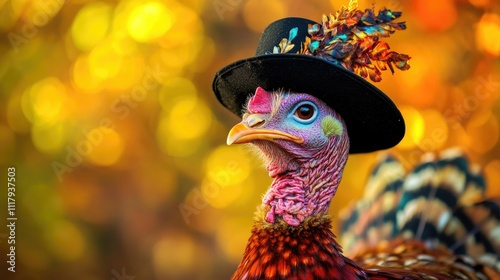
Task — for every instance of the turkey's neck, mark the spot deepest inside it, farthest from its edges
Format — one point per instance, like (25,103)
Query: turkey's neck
(307,186)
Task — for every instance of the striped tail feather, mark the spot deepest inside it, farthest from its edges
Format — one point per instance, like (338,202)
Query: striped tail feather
(440,202)
(475,231)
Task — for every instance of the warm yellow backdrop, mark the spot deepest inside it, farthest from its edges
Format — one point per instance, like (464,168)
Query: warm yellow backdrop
(108,116)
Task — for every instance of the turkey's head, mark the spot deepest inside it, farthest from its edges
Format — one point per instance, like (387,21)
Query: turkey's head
(305,145)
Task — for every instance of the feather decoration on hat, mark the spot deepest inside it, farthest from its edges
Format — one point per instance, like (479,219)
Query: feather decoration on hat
(350,38)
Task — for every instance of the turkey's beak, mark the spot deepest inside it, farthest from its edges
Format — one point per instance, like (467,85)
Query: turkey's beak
(243,133)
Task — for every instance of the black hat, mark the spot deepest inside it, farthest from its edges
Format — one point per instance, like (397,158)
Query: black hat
(372,120)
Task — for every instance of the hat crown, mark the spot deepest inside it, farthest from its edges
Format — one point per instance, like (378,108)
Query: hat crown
(277,30)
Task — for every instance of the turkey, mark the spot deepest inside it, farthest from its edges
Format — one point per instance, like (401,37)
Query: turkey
(305,106)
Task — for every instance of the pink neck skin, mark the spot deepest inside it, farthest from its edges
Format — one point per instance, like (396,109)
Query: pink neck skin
(305,187)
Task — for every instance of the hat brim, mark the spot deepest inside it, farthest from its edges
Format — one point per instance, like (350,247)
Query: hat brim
(373,121)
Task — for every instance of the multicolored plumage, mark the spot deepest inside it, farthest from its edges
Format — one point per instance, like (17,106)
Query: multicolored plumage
(351,38)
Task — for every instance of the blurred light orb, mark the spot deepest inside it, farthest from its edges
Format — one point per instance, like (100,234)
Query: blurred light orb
(106,146)
(44,102)
(183,122)
(228,166)
(483,136)
(122,43)
(190,118)
(219,196)
(232,235)
(177,88)
(38,13)
(184,29)
(435,15)
(415,127)
(91,25)
(67,241)
(351,181)
(480,3)
(488,32)
(226,171)
(83,77)
(174,255)
(10,16)
(421,70)
(204,56)
(104,62)
(129,74)
(258,14)
(171,144)
(149,22)
(17,7)
(49,140)
(178,58)
(436,131)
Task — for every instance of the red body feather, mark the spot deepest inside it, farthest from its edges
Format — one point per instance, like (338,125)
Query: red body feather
(306,252)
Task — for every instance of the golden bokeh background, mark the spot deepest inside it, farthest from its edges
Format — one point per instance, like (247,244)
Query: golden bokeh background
(119,146)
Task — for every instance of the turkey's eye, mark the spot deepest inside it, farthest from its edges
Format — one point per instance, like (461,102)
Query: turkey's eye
(305,112)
